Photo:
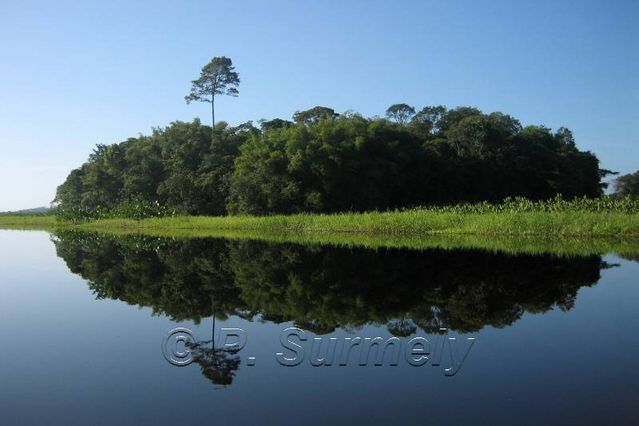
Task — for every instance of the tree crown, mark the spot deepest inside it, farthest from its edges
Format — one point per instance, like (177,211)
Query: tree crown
(218,77)
(400,113)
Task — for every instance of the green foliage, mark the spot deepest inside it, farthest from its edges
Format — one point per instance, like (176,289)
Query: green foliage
(350,163)
(325,162)
(274,124)
(180,168)
(627,185)
(320,288)
(218,77)
(400,113)
(427,121)
(314,115)
(133,209)
(141,209)
(546,221)
(604,204)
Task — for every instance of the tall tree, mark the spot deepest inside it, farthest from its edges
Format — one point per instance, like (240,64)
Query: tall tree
(218,77)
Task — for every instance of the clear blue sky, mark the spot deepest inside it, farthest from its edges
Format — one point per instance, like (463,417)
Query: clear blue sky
(74,74)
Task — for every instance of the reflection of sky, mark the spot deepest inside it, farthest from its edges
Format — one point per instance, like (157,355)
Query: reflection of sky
(74,74)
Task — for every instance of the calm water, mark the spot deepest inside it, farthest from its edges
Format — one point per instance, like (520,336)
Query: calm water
(83,322)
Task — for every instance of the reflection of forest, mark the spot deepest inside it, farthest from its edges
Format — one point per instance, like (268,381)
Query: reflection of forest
(321,287)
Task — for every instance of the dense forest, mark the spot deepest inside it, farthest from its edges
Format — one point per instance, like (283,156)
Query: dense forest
(322,161)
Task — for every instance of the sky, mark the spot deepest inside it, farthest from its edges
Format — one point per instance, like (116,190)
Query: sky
(75,74)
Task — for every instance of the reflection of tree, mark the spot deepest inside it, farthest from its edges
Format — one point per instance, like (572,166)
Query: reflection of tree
(321,288)
(463,290)
(217,365)
(402,327)
(176,278)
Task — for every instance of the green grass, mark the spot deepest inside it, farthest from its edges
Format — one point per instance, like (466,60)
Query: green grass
(405,223)
(517,229)
(37,221)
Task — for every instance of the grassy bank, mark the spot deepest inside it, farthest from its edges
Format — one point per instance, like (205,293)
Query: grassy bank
(23,221)
(549,220)
(412,223)
(526,227)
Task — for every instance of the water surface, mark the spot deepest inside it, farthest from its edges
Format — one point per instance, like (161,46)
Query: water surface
(538,338)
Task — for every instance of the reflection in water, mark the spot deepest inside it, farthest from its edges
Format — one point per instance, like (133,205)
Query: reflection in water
(217,365)
(113,363)
(321,288)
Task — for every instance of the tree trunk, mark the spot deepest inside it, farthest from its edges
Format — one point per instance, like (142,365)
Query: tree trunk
(212,116)
(213,329)
(213,110)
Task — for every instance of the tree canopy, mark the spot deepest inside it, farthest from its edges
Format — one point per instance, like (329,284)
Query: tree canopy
(313,115)
(628,185)
(400,113)
(326,162)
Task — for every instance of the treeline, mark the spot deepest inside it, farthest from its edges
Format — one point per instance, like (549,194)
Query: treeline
(327,162)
